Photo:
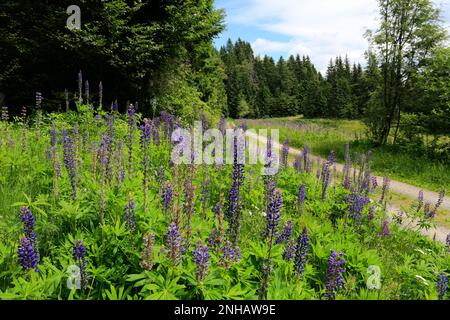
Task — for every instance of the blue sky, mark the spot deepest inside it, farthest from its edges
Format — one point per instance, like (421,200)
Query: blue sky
(321,29)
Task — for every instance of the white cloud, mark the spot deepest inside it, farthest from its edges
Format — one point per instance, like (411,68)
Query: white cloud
(321,29)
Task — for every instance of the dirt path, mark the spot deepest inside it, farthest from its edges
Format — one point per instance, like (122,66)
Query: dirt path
(439,233)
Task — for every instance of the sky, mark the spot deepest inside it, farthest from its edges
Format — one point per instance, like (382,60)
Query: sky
(322,29)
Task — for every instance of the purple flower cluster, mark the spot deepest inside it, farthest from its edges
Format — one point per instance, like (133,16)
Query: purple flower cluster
(385,188)
(325,176)
(201,258)
(131,120)
(298,163)
(374,182)
(27,255)
(147,252)
(70,161)
(289,251)
(230,254)
(357,202)
(347,166)
(301,197)
(420,200)
(233,205)
(28,222)
(273,214)
(385,231)
(442,285)
(79,255)
(371,214)
(130,214)
(301,251)
(285,235)
(168,123)
(167,197)
(335,272)
(173,243)
(146,130)
(306,162)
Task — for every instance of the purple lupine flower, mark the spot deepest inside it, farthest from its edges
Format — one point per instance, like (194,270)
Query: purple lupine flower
(306,161)
(301,251)
(201,258)
(5,114)
(28,222)
(442,286)
(173,243)
(374,182)
(130,214)
(145,148)
(70,162)
(420,200)
(205,192)
(233,205)
(212,239)
(167,197)
(301,197)
(79,255)
(335,278)
(385,230)
(230,255)
(371,215)
(298,163)
(273,214)
(53,136)
(285,153)
(447,241)
(285,235)
(385,188)
(110,119)
(357,202)
(325,178)
(27,255)
(438,203)
(147,252)
(155,131)
(346,171)
(131,120)
(289,251)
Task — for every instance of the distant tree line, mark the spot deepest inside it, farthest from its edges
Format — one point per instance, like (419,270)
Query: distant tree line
(402,93)
(260,87)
